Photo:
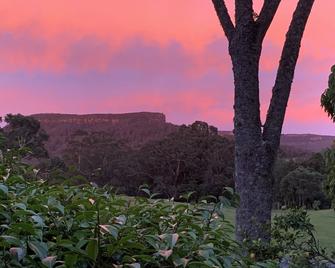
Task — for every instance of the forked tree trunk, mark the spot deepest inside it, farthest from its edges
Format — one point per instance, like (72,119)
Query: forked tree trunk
(253,157)
(256,145)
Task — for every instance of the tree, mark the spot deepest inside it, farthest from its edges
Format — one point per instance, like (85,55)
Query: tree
(301,187)
(329,183)
(328,104)
(256,144)
(96,155)
(25,132)
(194,158)
(328,96)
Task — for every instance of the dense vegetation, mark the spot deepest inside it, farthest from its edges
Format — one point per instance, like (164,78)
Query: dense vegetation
(194,158)
(88,226)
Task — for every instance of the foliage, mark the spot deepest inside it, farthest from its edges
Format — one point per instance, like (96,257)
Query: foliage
(87,226)
(316,162)
(301,187)
(293,239)
(96,155)
(25,132)
(328,97)
(329,183)
(194,158)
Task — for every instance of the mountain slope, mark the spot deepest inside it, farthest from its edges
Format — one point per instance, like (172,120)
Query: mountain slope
(135,129)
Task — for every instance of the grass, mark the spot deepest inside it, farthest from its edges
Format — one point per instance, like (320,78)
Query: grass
(323,221)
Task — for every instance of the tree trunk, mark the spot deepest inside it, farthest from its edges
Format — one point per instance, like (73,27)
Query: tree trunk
(256,145)
(253,158)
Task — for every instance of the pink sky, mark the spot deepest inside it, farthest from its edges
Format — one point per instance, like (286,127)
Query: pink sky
(109,56)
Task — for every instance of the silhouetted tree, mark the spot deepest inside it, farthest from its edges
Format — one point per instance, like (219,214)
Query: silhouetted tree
(328,103)
(301,187)
(256,144)
(329,184)
(195,158)
(25,132)
(328,96)
(96,155)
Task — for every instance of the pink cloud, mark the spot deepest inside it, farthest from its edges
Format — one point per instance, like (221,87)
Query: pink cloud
(166,55)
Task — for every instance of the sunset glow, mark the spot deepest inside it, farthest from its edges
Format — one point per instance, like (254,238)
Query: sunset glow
(170,56)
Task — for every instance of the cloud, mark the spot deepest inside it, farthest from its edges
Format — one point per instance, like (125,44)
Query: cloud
(168,55)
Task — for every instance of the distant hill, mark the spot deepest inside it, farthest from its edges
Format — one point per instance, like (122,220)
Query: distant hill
(135,129)
(308,143)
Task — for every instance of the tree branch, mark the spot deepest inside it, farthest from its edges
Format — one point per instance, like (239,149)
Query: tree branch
(225,20)
(266,16)
(243,13)
(281,90)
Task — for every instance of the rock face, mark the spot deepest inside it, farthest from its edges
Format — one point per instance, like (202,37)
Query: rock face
(135,129)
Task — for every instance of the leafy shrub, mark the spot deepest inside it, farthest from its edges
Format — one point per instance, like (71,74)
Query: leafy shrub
(43,225)
(87,226)
(293,239)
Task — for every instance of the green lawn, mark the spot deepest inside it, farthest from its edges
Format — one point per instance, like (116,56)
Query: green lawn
(323,220)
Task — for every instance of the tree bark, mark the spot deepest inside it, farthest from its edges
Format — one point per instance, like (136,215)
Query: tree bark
(255,147)
(253,160)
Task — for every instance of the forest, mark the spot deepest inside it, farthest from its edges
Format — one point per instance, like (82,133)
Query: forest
(104,198)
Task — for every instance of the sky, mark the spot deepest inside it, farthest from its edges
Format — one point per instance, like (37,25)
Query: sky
(170,56)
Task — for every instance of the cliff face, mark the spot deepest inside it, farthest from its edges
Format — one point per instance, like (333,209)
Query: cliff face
(135,129)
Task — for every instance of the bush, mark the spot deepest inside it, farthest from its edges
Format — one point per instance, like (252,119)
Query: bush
(45,225)
(293,240)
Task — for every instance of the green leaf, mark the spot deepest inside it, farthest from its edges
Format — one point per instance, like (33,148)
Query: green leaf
(3,188)
(180,262)
(110,229)
(206,253)
(146,191)
(20,205)
(11,240)
(26,228)
(38,220)
(198,264)
(49,261)
(55,204)
(92,249)
(40,248)
(71,260)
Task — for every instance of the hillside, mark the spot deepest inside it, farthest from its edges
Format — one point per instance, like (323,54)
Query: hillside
(135,129)
(308,142)
(300,143)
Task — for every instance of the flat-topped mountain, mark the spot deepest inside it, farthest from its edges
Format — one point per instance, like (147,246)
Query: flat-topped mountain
(135,129)
(139,128)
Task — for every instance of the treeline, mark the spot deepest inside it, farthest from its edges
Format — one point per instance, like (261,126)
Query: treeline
(194,158)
